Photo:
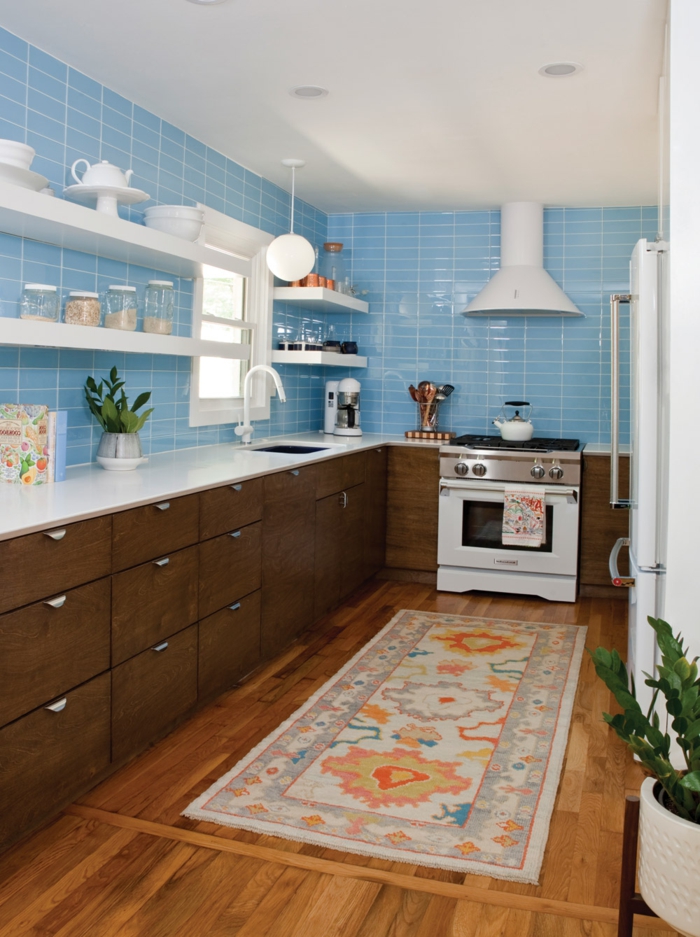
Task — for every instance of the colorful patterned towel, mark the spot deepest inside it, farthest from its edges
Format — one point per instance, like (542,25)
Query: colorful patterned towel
(523,517)
(440,744)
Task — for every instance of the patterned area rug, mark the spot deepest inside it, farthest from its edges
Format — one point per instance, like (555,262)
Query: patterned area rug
(439,744)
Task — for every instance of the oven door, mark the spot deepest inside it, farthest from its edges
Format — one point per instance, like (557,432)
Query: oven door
(470,528)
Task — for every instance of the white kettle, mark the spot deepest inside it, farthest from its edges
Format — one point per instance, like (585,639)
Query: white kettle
(517,428)
(100,174)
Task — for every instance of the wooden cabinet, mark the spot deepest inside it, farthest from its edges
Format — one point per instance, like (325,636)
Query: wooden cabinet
(154,530)
(229,567)
(153,601)
(52,646)
(229,646)
(412,508)
(375,510)
(339,474)
(49,758)
(152,692)
(600,524)
(229,507)
(288,531)
(52,561)
(340,563)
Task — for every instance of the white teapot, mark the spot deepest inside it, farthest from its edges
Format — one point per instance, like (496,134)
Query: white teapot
(103,173)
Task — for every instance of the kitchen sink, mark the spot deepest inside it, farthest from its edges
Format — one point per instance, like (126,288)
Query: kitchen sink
(291,450)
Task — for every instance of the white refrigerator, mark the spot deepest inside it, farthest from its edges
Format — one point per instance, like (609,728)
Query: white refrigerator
(648,374)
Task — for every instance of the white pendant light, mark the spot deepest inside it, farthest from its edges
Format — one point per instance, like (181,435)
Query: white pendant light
(290,256)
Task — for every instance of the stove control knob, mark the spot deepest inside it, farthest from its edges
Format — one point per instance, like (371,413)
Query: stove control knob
(461,468)
(537,471)
(556,471)
(479,469)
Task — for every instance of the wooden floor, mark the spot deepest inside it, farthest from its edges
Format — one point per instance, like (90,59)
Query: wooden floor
(123,861)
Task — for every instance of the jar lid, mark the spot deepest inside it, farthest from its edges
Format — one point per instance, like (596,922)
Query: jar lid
(40,286)
(333,246)
(122,289)
(163,283)
(84,294)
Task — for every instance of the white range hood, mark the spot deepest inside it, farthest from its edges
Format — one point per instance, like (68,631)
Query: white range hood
(522,287)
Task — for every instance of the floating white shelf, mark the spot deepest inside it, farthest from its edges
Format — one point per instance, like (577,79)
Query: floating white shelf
(56,221)
(319,299)
(329,358)
(61,335)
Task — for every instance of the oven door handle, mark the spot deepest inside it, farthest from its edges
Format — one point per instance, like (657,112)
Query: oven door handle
(498,489)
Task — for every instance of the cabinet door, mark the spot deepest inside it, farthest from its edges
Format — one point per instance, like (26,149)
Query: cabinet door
(601,525)
(352,546)
(329,517)
(229,646)
(229,567)
(49,757)
(338,474)
(375,510)
(288,557)
(412,508)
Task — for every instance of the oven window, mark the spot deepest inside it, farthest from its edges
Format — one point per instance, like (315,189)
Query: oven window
(482,526)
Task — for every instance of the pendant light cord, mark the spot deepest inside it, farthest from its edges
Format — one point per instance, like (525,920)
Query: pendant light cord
(291,230)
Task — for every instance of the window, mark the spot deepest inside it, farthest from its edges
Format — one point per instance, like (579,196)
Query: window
(231,307)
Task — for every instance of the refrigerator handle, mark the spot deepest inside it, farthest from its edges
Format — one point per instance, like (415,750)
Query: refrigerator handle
(616,578)
(615,300)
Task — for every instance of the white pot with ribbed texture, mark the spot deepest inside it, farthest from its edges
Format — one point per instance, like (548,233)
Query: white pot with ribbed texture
(669,863)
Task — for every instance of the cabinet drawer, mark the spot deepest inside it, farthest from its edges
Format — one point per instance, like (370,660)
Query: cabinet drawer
(152,691)
(152,601)
(339,474)
(154,530)
(229,646)
(224,509)
(48,648)
(291,483)
(229,567)
(48,758)
(52,561)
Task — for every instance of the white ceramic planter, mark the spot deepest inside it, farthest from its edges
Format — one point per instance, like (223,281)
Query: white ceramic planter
(669,863)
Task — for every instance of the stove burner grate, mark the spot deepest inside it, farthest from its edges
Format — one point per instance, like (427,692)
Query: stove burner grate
(531,445)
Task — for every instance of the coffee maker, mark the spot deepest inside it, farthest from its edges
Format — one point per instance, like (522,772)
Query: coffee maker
(347,418)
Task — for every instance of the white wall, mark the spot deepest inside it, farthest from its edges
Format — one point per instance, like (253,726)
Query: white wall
(682,605)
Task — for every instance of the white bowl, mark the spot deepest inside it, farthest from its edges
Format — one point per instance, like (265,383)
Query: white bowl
(16,154)
(187,228)
(175,211)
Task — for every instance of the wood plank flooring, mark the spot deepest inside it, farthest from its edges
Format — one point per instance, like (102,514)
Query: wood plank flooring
(124,862)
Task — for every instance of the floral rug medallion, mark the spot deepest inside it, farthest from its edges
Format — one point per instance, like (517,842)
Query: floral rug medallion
(440,744)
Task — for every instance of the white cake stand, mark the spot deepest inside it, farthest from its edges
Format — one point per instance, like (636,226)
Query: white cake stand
(109,197)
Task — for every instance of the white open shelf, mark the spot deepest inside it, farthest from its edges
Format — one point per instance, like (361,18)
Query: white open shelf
(56,221)
(62,335)
(330,358)
(319,299)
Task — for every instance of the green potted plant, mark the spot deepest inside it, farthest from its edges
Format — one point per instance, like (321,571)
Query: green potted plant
(120,445)
(669,824)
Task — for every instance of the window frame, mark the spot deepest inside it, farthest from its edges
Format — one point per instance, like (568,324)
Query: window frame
(250,244)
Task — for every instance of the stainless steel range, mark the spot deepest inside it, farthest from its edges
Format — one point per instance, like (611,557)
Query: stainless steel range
(476,472)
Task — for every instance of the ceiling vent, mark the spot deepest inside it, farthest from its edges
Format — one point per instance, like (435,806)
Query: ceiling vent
(522,287)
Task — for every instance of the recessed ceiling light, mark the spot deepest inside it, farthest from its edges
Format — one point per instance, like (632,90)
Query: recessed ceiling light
(560,69)
(308,92)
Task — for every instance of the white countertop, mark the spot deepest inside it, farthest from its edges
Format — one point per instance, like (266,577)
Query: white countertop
(90,491)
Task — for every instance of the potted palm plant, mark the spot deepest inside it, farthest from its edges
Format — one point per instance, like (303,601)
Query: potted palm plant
(669,821)
(120,445)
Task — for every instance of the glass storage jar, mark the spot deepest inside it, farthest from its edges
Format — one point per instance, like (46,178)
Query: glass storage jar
(333,264)
(158,309)
(82,308)
(121,310)
(39,302)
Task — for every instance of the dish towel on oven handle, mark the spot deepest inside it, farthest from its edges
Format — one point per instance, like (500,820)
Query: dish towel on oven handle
(523,516)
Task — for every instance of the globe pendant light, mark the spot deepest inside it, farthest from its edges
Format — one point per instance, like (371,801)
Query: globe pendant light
(290,256)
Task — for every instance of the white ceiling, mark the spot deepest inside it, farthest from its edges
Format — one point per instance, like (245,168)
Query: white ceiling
(432,105)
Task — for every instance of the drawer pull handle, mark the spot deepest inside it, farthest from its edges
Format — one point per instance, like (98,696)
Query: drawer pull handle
(55,534)
(294,472)
(234,608)
(58,602)
(163,506)
(58,706)
(236,487)
(163,562)
(160,647)
(236,533)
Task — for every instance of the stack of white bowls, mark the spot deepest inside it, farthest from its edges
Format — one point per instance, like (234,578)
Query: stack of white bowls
(16,154)
(15,160)
(183,221)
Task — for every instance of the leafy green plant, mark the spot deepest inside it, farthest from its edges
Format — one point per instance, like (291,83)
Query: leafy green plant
(110,406)
(678,684)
